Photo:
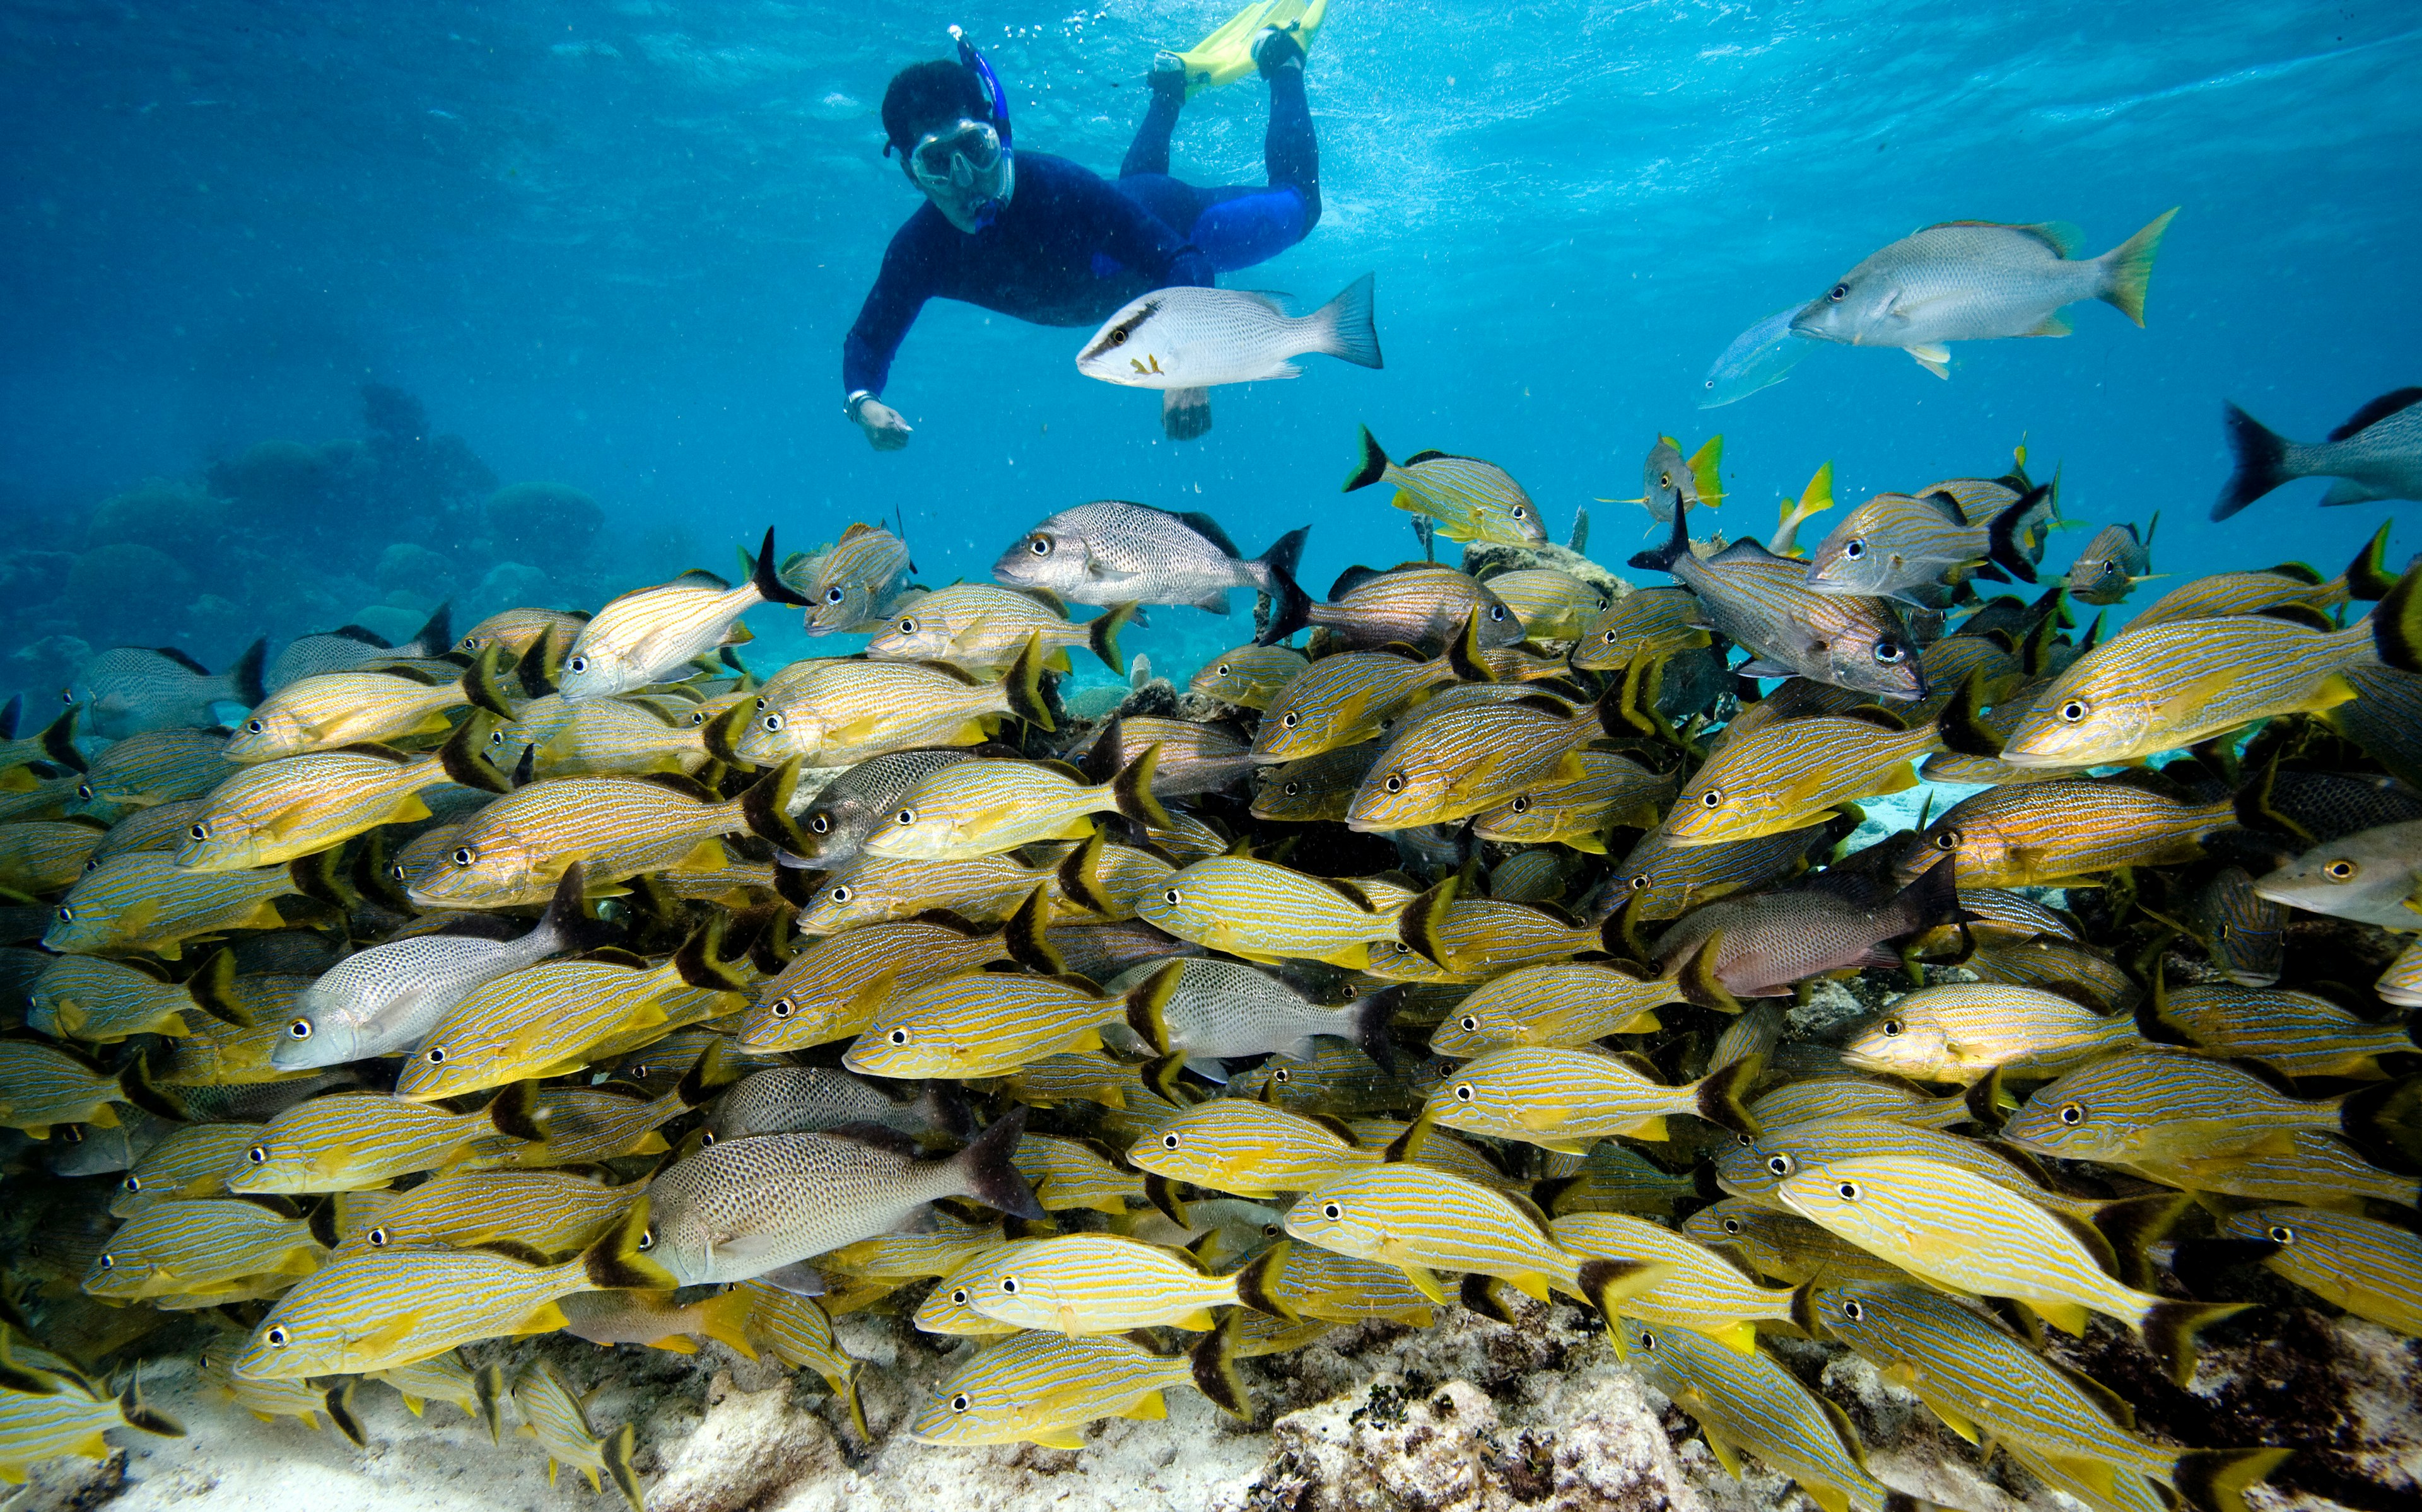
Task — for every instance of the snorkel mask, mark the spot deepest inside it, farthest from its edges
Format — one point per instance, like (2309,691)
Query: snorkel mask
(967,167)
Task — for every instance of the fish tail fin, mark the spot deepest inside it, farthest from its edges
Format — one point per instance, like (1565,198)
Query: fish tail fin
(2136,1224)
(1022,686)
(1369,467)
(1608,1283)
(488,1392)
(1367,1021)
(768,581)
(1345,326)
(1290,606)
(244,678)
(563,923)
(618,1260)
(717,1068)
(437,633)
(1619,934)
(1253,1284)
(986,1173)
(11,714)
(2127,268)
(1027,939)
(725,1318)
(136,1085)
(1147,1007)
(700,961)
(2214,1480)
(58,739)
(2260,455)
(1961,726)
(1702,984)
(2397,623)
(1677,547)
(2367,577)
(140,1414)
(337,1402)
(1417,926)
(483,682)
(2388,1114)
(616,1452)
(1215,1368)
(1721,1094)
(1131,790)
(1706,471)
(515,1112)
(463,759)
(945,1109)
(1931,898)
(1102,634)
(765,809)
(2169,1329)
(1463,652)
(2001,534)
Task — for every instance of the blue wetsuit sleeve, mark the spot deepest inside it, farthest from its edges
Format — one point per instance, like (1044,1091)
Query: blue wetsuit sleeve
(1138,238)
(906,281)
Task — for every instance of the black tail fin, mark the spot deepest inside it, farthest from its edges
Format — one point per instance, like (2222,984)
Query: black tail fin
(1677,547)
(515,1112)
(1102,634)
(765,807)
(717,1068)
(2214,1480)
(1932,900)
(338,1404)
(1253,1284)
(1417,926)
(618,1260)
(2136,1225)
(2388,1116)
(1285,555)
(989,1177)
(465,760)
(1722,1093)
(2397,623)
(488,1390)
(565,923)
(58,739)
(1463,652)
(2001,534)
(1369,467)
(483,682)
(1961,724)
(149,1419)
(1027,937)
(2261,456)
(768,582)
(1132,788)
(1290,606)
(243,677)
(1022,685)
(435,636)
(946,1111)
(1607,1282)
(1215,1370)
(1147,1006)
(616,1452)
(1367,1023)
(700,961)
(136,1086)
(2367,577)
(2169,1329)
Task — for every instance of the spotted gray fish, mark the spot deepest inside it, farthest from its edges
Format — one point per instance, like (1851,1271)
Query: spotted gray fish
(2376,455)
(351,647)
(133,689)
(1111,552)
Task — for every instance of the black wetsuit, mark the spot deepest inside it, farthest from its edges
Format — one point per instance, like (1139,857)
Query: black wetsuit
(1071,246)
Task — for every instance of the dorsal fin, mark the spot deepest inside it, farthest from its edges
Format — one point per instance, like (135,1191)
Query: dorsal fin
(699,577)
(2300,571)
(1430,455)
(1210,531)
(2377,411)
(675,783)
(364,634)
(182,660)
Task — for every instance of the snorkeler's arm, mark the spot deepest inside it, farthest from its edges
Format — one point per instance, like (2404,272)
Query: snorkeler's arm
(900,290)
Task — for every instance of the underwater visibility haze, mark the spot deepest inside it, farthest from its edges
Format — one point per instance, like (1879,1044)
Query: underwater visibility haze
(584,606)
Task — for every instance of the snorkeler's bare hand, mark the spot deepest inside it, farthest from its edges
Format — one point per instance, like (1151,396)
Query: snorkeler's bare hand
(884,429)
(1185,413)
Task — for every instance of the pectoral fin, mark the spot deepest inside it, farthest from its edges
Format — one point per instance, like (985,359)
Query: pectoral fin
(1935,358)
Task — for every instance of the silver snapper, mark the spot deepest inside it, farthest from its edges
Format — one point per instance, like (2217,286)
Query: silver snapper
(1198,337)
(2376,455)
(389,998)
(130,689)
(1216,1010)
(1976,281)
(1111,552)
(351,647)
(794,1099)
(746,1207)
(838,820)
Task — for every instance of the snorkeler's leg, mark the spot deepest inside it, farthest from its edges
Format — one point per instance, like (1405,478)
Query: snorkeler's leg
(1149,151)
(1290,151)
(1238,226)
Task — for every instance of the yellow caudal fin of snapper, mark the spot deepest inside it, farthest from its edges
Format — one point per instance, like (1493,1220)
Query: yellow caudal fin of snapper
(1706,470)
(2127,268)
(1813,500)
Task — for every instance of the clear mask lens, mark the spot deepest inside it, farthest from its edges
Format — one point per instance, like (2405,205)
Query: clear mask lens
(957,157)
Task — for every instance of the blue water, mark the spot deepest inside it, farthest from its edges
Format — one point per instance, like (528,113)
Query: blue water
(616,246)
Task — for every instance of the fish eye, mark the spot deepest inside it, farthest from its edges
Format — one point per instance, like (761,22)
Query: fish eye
(832,595)
(1855,1312)
(1947,840)
(83,790)
(959,1403)
(1281,1074)
(276,1339)
(1854,549)
(1849,1191)
(2338,871)
(2072,1114)
(1521,803)
(132,1183)
(1221,669)
(1169,1142)
(699,717)
(705,1137)
(647,1239)
(959,1298)
(1119,338)
(784,1007)
(395,873)
(898,1036)
(435,1055)
(773,723)
(1648,1341)
(1839,294)
(841,895)
(821,824)
(1041,545)
(578,664)
(1779,1165)
(1008,1286)
(300,1029)
(1713,798)
(1520,513)
(496,738)
(1732,1225)
(1396,783)
(67,915)
(1744,1141)
(2073,710)
(1639,882)
(907,627)
(761,703)
(1891,1028)
(1470,1022)
(1664,481)
(906,816)
(1889,652)
(465,855)
(1496,613)
(1463,1091)
(199,832)
(1291,720)
(2279,1233)
(109,1262)
(1331,1210)
(1293,789)
(1171,898)
(253,727)
(377,1236)
(257,1155)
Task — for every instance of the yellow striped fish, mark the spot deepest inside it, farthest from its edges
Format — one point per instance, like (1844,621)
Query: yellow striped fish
(622,736)
(982,1023)
(1796,774)
(518,630)
(1613,1179)
(101,1001)
(980,890)
(1344,700)
(1696,1288)
(1564,1099)
(269,1400)
(375,1308)
(1962,1031)
(1552,604)
(2372,1270)
(190,1160)
(1453,761)
(1472,938)
(1613,791)
(2044,834)
(1248,677)
(1956,1229)
(350,1141)
(553,1212)
(847,712)
(798,1332)
(1423,1220)
(54,742)
(278,810)
(913,1256)
(1420,605)
(1044,1388)
(1075,1173)
(1314,787)
(449,1378)
(2315,1169)
(1324,1285)
(831,990)
(335,708)
(1471,500)
(46,855)
(41,1085)
(1809,1099)
(1644,625)
(158,767)
(2295,1034)
(639,637)
(587,1124)
(190,1248)
(1269,912)
(1559,1004)
(553,1414)
(1104,1283)
(67,1419)
(2160,1105)
(218,1053)
(1784,1247)
(982,626)
(1754,1167)
(990,806)
(1658,879)
(1073,1078)
(853,578)
(145,901)
(1250,1149)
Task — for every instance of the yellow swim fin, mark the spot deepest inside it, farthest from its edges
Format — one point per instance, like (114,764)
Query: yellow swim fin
(1227,55)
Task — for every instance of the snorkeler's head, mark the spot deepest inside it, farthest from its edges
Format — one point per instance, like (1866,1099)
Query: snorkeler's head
(952,128)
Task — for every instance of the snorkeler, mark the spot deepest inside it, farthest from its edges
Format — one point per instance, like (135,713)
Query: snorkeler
(1050,242)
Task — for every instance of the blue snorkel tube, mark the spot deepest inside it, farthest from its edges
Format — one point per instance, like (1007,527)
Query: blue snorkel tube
(996,101)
